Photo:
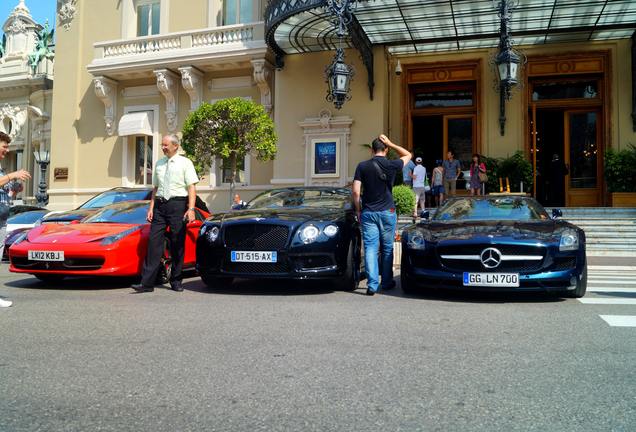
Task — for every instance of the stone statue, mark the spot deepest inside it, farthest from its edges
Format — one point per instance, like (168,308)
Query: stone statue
(43,47)
(3,45)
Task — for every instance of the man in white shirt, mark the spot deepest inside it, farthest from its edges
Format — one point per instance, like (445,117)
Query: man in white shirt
(419,185)
(172,205)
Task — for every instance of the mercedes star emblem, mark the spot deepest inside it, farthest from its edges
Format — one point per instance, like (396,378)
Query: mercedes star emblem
(490,257)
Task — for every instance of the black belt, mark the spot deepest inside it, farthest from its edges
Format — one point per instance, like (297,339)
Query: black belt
(162,200)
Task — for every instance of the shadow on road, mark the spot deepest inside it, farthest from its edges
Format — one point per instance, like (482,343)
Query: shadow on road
(72,283)
(263,287)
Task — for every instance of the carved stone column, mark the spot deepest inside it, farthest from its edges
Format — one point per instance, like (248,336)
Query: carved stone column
(167,83)
(192,81)
(263,76)
(106,91)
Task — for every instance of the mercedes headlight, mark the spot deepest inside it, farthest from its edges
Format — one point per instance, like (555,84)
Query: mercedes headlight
(309,234)
(19,239)
(416,240)
(330,230)
(569,240)
(115,238)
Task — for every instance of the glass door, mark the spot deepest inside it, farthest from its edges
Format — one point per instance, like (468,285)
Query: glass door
(582,158)
(459,136)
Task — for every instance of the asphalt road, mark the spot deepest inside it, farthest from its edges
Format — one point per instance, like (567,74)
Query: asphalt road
(92,356)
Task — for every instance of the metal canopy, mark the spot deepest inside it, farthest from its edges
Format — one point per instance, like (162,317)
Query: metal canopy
(413,26)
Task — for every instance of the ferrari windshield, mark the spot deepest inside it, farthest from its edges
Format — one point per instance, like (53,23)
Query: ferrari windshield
(125,213)
(302,198)
(491,208)
(115,196)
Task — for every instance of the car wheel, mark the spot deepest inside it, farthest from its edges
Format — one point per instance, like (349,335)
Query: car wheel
(581,285)
(165,269)
(351,278)
(405,282)
(50,278)
(217,281)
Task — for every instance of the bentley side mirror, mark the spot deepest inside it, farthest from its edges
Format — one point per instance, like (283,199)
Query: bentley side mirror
(425,214)
(556,213)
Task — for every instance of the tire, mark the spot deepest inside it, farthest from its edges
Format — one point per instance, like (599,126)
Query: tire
(217,281)
(581,286)
(165,269)
(405,282)
(50,278)
(351,278)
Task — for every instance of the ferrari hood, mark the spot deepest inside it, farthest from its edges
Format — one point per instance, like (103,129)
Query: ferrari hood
(75,233)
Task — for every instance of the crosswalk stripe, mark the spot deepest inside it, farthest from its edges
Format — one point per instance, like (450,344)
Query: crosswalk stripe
(615,268)
(608,301)
(620,320)
(611,289)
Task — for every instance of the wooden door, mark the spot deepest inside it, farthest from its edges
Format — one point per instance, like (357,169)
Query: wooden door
(583,157)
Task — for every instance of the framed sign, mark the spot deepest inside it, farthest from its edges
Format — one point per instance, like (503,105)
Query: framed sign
(325,157)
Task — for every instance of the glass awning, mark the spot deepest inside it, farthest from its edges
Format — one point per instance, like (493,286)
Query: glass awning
(413,26)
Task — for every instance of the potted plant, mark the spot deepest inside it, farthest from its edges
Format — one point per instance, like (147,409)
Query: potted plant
(620,176)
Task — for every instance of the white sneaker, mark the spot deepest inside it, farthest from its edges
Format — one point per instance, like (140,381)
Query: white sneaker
(5,303)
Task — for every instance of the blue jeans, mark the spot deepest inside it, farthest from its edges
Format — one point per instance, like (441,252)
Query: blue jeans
(378,233)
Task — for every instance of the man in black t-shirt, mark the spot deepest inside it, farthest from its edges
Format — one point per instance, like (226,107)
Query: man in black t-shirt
(376,212)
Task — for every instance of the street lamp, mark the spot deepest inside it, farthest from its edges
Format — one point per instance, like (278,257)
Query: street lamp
(507,61)
(43,158)
(338,74)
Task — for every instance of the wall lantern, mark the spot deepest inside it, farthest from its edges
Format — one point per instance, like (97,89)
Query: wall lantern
(43,158)
(508,61)
(338,74)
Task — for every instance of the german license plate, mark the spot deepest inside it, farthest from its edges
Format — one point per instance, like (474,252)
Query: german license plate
(491,279)
(46,255)
(254,256)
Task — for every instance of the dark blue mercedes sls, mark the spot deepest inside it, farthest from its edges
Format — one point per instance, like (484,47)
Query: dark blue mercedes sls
(289,233)
(495,242)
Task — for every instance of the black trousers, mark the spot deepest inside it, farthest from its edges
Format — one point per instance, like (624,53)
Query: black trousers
(166,214)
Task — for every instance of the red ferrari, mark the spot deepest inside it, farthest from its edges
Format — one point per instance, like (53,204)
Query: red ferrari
(112,242)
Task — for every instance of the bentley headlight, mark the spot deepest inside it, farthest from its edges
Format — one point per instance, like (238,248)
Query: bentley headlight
(309,234)
(330,230)
(569,240)
(203,230)
(213,233)
(416,240)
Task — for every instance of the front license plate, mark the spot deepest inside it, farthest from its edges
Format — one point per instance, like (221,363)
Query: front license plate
(491,279)
(251,256)
(46,255)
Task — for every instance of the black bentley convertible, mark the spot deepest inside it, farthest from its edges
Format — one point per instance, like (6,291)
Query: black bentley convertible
(496,242)
(290,233)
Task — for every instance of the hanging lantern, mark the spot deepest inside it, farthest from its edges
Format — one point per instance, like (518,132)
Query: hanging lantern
(338,75)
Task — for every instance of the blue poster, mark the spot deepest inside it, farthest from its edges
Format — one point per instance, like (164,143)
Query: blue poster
(325,158)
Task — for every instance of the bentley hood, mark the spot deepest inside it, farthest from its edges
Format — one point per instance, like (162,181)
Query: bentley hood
(279,215)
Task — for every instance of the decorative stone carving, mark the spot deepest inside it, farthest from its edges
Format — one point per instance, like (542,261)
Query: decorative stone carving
(192,81)
(263,77)
(16,116)
(17,26)
(67,9)
(106,91)
(325,118)
(167,85)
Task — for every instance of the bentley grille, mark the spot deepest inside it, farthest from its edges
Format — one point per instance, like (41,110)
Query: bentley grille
(248,237)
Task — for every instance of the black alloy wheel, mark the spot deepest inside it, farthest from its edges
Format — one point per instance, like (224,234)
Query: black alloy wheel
(581,285)
(165,269)
(351,278)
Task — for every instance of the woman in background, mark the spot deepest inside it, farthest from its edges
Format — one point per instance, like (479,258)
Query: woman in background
(476,167)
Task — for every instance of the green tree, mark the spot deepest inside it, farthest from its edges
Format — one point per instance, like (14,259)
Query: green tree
(230,129)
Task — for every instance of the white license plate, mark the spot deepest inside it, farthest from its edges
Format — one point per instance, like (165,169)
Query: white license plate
(46,255)
(252,256)
(491,279)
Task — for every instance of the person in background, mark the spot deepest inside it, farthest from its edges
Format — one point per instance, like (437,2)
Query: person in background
(376,212)
(172,205)
(419,186)
(452,168)
(437,181)
(476,167)
(8,182)
(237,202)
(407,173)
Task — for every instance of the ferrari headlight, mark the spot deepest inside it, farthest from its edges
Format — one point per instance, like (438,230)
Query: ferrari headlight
(309,234)
(20,238)
(569,240)
(213,233)
(331,230)
(115,238)
(416,240)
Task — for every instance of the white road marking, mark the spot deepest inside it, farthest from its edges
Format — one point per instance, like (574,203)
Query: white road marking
(608,301)
(611,268)
(611,289)
(620,320)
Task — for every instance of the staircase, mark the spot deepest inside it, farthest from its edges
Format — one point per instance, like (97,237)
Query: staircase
(609,231)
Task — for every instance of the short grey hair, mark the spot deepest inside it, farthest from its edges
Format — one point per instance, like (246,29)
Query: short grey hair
(174,139)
